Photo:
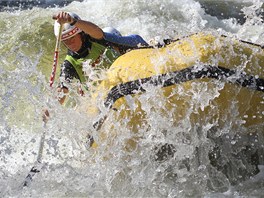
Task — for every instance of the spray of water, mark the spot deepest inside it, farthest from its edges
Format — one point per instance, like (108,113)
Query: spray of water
(128,160)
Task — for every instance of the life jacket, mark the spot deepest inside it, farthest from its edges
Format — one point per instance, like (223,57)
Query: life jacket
(98,52)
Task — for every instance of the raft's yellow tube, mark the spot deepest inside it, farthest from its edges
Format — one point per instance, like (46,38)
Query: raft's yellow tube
(230,99)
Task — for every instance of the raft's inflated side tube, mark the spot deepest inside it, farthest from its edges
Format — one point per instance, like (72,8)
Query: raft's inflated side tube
(203,58)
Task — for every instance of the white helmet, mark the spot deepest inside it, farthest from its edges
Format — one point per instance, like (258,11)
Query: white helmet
(112,31)
(68,30)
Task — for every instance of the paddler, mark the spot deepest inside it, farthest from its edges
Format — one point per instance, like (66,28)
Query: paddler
(88,42)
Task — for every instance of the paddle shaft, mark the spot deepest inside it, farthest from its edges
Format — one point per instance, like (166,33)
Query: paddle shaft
(38,164)
(56,57)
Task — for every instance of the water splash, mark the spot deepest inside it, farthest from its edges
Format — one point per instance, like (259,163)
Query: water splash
(124,163)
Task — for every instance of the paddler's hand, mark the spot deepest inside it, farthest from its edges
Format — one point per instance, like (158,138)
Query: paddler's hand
(45,115)
(80,91)
(62,94)
(63,17)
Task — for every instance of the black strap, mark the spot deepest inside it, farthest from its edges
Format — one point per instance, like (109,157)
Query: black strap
(184,75)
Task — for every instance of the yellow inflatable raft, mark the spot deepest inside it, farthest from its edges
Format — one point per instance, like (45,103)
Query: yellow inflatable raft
(207,78)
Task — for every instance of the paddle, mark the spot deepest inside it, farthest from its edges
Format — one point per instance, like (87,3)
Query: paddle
(38,164)
(56,57)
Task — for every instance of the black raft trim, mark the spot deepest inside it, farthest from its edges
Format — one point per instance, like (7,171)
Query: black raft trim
(177,77)
(184,75)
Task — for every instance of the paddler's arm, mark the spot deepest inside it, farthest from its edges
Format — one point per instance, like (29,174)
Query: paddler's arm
(67,74)
(86,26)
(90,28)
(62,91)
